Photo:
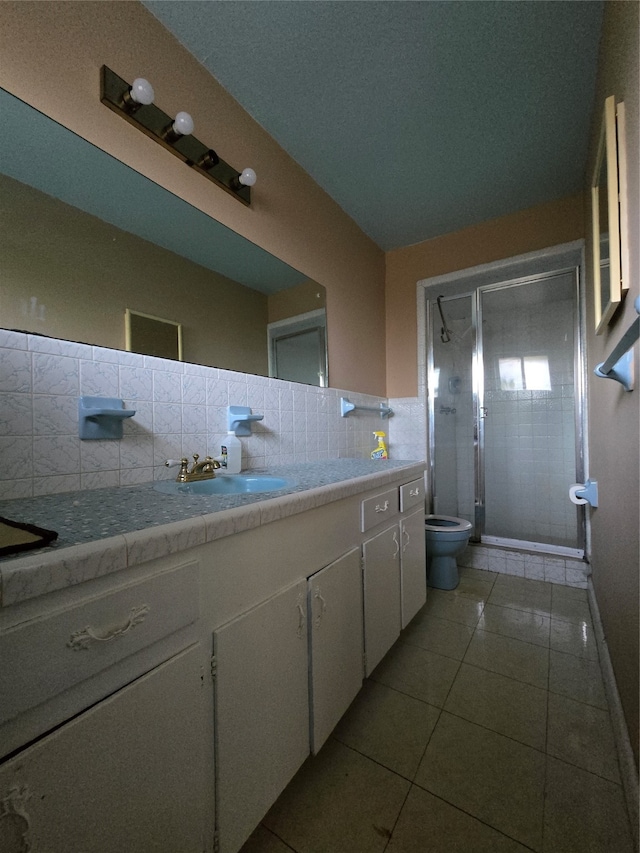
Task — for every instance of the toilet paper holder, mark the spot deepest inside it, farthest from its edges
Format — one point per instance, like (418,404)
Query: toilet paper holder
(584,493)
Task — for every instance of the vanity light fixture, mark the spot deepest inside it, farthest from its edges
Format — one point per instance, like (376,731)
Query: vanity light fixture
(135,103)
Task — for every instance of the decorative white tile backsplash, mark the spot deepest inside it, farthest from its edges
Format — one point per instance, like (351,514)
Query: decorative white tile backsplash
(180,410)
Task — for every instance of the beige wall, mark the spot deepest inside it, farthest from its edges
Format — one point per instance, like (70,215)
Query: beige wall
(538,227)
(51,57)
(296,300)
(614,415)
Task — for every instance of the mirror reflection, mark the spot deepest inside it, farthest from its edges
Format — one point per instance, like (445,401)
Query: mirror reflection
(85,237)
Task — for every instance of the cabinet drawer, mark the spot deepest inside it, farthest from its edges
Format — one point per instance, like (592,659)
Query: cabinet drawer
(411,494)
(379,508)
(52,654)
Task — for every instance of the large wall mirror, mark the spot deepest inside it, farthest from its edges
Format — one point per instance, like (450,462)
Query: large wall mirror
(85,237)
(605,211)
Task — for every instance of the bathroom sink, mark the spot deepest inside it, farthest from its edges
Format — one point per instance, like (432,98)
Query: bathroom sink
(226,484)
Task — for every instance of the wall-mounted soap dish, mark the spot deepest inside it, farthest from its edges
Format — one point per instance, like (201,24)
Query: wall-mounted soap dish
(102,417)
(239,419)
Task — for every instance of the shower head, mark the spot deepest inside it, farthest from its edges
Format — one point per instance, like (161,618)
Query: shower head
(445,334)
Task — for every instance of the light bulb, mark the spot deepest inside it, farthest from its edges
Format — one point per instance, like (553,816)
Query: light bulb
(247,178)
(142,91)
(183,124)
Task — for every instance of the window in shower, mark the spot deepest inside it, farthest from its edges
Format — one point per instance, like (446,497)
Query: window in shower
(530,373)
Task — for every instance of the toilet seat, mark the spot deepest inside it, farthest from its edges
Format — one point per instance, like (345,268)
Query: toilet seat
(449,524)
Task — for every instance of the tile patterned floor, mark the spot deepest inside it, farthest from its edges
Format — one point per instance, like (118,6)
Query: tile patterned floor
(485,729)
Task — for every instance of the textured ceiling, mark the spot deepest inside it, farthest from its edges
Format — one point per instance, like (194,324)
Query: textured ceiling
(417,118)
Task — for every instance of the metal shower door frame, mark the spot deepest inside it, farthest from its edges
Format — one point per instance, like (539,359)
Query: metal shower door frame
(480,411)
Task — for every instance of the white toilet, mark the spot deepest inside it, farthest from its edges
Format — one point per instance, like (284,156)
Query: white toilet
(446,537)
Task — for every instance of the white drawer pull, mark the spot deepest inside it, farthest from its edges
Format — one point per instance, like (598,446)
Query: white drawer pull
(323,605)
(81,639)
(382,507)
(406,541)
(301,617)
(414,492)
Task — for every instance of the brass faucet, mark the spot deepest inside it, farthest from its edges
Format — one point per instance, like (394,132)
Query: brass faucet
(204,470)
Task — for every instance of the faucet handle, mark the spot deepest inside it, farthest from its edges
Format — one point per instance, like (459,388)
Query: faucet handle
(172,463)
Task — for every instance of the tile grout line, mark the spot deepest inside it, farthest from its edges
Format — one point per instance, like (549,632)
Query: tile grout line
(441,711)
(546,744)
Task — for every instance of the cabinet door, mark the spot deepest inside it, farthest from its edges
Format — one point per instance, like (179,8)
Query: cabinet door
(336,643)
(413,569)
(261,710)
(381,573)
(126,775)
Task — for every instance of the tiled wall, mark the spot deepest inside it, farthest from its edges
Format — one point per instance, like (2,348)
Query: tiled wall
(180,410)
(542,567)
(407,428)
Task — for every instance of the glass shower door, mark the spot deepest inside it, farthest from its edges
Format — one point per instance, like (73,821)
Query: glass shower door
(451,407)
(528,410)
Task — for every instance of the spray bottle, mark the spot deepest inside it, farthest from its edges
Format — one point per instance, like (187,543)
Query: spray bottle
(380,452)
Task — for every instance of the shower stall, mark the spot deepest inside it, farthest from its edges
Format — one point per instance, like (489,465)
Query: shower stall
(505,410)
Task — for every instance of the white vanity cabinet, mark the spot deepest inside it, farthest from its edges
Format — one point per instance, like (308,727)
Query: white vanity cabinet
(394,568)
(102,716)
(126,775)
(413,576)
(336,652)
(261,710)
(381,582)
(165,707)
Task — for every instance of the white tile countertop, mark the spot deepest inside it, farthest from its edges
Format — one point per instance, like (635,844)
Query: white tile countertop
(105,530)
